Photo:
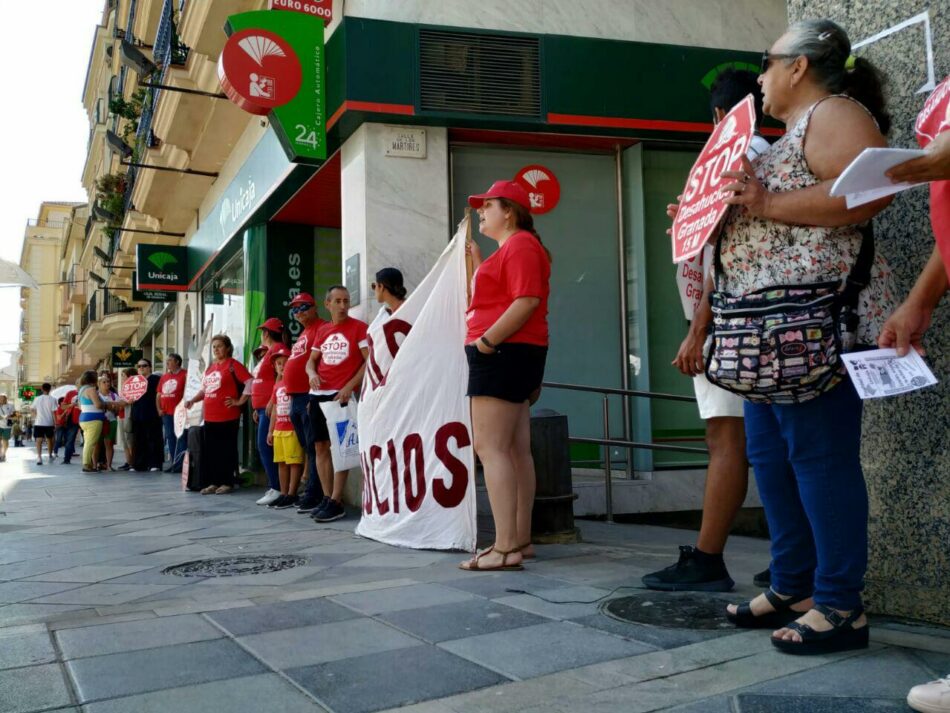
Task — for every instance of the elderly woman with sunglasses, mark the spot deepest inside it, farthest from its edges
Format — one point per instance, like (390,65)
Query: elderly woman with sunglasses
(786,230)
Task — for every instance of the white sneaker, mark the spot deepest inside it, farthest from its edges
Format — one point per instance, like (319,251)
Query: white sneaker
(933,697)
(270,496)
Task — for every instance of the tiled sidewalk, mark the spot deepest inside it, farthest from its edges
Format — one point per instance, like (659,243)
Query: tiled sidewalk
(89,622)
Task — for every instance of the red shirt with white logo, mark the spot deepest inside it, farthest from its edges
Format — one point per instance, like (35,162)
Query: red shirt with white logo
(340,356)
(171,390)
(295,370)
(519,268)
(220,383)
(281,412)
(264,378)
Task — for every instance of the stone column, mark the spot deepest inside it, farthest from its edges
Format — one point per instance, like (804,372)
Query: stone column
(395,210)
(905,451)
(395,214)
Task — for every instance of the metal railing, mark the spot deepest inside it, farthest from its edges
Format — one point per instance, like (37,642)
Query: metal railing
(606,392)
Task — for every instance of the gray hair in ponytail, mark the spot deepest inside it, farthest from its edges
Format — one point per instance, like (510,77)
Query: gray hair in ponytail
(827,47)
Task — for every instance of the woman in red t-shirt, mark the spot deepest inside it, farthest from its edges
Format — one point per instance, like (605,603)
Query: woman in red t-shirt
(221,390)
(506,346)
(265,376)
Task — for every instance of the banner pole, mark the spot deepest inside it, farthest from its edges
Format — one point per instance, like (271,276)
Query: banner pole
(469,264)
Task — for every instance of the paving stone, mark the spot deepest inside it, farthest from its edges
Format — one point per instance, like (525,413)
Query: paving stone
(33,689)
(13,614)
(398,678)
(544,648)
(411,597)
(746,703)
(938,663)
(134,635)
(280,615)
(307,645)
(560,607)
(716,704)
(123,674)
(99,595)
(86,573)
(23,591)
(25,649)
(400,559)
(495,584)
(460,620)
(249,694)
(880,674)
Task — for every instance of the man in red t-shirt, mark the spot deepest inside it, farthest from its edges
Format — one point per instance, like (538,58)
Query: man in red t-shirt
(72,424)
(336,366)
(171,390)
(304,309)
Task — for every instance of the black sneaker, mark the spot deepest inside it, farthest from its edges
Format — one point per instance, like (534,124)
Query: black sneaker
(124,466)
(695,571)
(331,510)
(309,505)
(763,580)
(285,501)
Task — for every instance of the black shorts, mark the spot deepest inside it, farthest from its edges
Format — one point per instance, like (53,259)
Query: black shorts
(43,432)
(512,373)
(318,422)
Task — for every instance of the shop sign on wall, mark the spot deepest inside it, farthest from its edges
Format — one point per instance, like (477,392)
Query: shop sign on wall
(123,357)
(272,64)
(405,143)
(161,267)
(544,190)
(317,8)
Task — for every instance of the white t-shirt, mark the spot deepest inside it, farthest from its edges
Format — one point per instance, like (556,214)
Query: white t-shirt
(6,411)
(43,406)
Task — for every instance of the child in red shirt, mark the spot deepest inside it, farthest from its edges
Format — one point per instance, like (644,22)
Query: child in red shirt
(288,454)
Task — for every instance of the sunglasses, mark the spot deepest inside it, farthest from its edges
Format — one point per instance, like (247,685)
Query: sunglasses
(300,308)
(767,60)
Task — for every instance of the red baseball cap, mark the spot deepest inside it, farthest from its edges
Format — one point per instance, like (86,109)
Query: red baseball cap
(503,189)
(280,351)
(273,324)
(303,298)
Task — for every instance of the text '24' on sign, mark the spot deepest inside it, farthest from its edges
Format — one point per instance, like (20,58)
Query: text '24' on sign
(702,207)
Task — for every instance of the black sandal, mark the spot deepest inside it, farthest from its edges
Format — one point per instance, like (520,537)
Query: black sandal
(781,616)
(841,637)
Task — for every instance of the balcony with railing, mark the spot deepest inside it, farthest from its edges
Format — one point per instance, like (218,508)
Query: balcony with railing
(106,321)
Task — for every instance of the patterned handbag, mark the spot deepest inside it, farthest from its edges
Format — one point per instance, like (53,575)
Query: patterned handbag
(783,344)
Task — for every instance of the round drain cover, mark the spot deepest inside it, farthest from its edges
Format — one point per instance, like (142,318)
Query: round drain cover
(671,610)
(235,566)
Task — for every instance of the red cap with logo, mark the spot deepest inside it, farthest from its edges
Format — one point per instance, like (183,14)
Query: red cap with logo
(280,351)
(303,298)
(273,325)
(503,189)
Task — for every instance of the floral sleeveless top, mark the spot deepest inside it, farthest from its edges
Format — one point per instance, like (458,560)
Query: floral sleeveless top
(759,252)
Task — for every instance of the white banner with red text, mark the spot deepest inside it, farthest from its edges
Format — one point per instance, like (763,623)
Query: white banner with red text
(414,421)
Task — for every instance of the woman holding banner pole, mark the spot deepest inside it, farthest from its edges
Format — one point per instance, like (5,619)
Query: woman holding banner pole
(506,348)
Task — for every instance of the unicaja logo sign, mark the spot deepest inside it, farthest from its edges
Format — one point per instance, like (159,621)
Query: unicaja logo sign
(259,70)
(160,260)
(161,267)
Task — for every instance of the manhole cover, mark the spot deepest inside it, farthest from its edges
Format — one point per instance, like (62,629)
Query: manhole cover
(235,566)
(670,610)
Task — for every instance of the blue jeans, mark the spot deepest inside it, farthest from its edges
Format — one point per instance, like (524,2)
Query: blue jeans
(300,418)
(808,469)
(72,430)
(176,446)
(266,451)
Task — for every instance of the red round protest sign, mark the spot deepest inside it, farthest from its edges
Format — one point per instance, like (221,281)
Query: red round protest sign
(702,207)
(935,116)
(134,388)
(544,190)
(259,70)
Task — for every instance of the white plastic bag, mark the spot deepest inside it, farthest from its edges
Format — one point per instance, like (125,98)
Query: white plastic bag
(344,438)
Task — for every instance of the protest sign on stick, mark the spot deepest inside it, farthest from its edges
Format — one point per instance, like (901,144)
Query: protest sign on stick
(702,205)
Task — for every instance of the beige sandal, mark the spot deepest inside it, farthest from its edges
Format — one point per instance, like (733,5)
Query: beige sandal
(222,489)
(473,566)
(209,490)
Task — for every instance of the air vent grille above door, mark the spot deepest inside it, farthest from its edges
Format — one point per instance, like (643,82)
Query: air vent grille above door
(479,73)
